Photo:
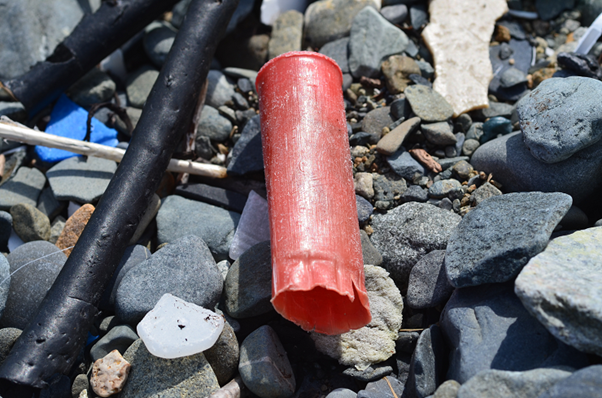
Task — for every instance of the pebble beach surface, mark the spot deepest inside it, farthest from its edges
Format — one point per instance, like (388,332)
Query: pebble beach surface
(481,230)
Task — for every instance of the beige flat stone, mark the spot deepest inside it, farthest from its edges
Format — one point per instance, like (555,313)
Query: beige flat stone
(109,374)
(458,36)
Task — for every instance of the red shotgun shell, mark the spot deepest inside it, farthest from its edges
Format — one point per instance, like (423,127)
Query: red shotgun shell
(318,269)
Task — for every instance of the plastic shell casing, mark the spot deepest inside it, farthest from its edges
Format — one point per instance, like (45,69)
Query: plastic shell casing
(318,269)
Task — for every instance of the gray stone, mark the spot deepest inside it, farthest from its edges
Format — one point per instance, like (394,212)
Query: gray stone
(446,163)
(247,155)
(34,30)
(339,51)
(469,147)
(419,16)
(6,224)
(404,164)
(370,254)
(158,41)
(56,229)
(475,132)
(223,355)
(29,223)
(8,337)
(585,382)
(388,189)
(448,389)
(342,393)
(155,377)
(364,209)
(376,119)
(5,283)
(29,286)
(512,77)
(495,240)
(119,338)
(364,184)
(48,204)
(391,142)
(415,193)
(561,117)
(440,189)
(387,387)
(139,85)
(561,288)
(428,285)
(548,9)
(429,363)
(96,86)
(407,233)
(503,383)
(287,32)
(575,218)
(372,39)
(494,109)
(179,217)
(426,69)
(328,20)
(14,110)
(184,268)
(24,187)
(219,89)
(264,366)
(79,179)
(248,286)
(80,383)
(371,373)
(428,104)
(395,14)
(213,125)
(513,166)
(489,328)
(484,192)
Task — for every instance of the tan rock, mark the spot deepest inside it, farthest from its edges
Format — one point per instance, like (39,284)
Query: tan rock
(458,36)
(109,374)
(392,141)
(397,69)
(74,228)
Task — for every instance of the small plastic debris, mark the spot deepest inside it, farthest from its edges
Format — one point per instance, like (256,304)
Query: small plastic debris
(109,374)
(176,328)
(253,227)
(590,37)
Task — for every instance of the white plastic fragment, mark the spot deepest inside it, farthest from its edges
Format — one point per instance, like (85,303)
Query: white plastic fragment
(271,9)
(590,37)
(523,14)
(253,226)
(176,328)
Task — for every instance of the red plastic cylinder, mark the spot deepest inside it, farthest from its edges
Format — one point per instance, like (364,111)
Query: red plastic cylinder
(318,269)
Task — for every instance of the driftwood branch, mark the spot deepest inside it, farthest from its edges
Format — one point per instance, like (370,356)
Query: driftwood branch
(52,340)
(32,137)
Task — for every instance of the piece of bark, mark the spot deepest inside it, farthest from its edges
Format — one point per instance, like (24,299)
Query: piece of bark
(94,38)
(51,342)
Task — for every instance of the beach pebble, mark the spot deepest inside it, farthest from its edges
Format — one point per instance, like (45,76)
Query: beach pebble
(30,223)
(374,342)
(29,286)
(373,38)
(429,363)
(489,328)
(24,187)
(363,183)
(139,85)
(370,254)
(74,227)
(548,9)
(287,32)
(447,389)
(342,393)
(118,338)
(223,356)
(387,387)
(81,180)
(364,209)
(213,125)
(219,89)
(48,204)
(94,87)
(484,192)
(428,104)
(495,240)
(264,366)
(395,14)
(248,286)
(376,119)
(184,268)
(397,70)
(339,51)
(109,374)
(152,376)
(561,288)
(404,165)
(247,155)
(6,223)
(8,337)
(158,41)
(175,328)
(391,142)
(428,285)
(583,383)
(229,200)
(497,383)
(408,232)
(5,281)
(440,189)
(179,217)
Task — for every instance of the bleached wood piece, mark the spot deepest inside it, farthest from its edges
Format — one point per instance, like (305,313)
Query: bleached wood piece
(29,136)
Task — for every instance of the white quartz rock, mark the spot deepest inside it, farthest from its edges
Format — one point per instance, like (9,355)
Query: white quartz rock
(176,328)
(253,227)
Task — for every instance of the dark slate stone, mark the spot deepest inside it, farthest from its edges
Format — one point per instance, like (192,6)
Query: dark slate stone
(247,155)
(428,104)
(29,286)
(405,234)
(158,41)
(248,285)
(376,119)
(404,164)
(24,187)
(219,89)
(419,16)
(548,9)
(428,285)
(221,197)
(339,51)
(213,125)
(6,223)
(184,268)
(489,328)
(475,132)
(94,87)
(495,109)
(415,193)
(132,256)
(561,117)
(418,79)
(371,373)
(395,14)
(118,338)
(516,169)
(82,180)
(364,209)
(342,393)
(522,56)
(515,28)
(400,108)
(497,238)
(387,387)
(429,363)
(363,138)
(586,382)
(48,204)
(511,77)
(5,282)
(446,163)
(223,355)
(370,254)
(386,189)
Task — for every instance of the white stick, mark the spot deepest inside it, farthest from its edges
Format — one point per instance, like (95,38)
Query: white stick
(32,137)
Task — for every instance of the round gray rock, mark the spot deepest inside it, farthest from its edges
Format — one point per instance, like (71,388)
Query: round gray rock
(158,41)
(96,86)
(219,90)
(427,104)
(585,382)
(498,237)
(223,356)
(184,268)
(213,125)
(139,85)
(30,223)
(561,117)
(439,133)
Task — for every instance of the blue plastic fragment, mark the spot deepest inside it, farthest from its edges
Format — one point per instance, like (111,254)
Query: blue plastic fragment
(91,339)
(69,120)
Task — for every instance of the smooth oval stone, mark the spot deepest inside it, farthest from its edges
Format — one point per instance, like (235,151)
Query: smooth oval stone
(585,382)
(428,285)
(427,104)
(30,223)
